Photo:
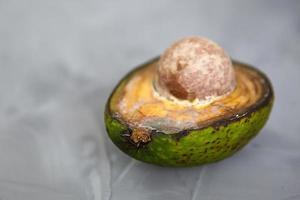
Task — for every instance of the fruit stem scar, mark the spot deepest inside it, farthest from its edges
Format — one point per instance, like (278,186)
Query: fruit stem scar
(140,136)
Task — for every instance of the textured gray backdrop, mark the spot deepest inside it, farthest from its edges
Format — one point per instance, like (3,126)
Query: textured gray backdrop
(59,61)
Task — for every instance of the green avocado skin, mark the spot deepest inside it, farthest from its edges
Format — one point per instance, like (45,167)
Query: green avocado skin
(194,147)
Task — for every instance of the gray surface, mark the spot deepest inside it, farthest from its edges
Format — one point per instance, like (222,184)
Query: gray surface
(60,59)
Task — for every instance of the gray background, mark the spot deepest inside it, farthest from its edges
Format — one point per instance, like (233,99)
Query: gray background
(59,61)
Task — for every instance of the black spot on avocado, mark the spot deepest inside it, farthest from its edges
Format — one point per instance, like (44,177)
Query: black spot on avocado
(181,134)
(233,147)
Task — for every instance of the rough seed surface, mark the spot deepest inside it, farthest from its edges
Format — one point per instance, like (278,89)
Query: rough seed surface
(194,68)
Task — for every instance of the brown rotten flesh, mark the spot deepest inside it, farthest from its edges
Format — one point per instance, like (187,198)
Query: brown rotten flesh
(140,106)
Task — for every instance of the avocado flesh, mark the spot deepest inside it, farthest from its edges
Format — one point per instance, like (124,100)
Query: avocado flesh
(208,139)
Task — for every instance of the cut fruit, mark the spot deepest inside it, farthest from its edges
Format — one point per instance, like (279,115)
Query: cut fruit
(171,132)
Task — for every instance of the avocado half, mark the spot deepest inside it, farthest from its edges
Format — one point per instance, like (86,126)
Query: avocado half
(166,133)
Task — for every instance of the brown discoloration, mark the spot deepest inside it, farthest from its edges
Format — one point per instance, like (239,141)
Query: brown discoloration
(235,115)
(175,88)
(137,137)
(140,136)
(194,67)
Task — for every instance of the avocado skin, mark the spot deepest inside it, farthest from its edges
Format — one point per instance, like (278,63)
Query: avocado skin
(193,147)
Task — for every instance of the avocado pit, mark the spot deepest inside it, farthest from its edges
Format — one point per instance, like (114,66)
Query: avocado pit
(194,68)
